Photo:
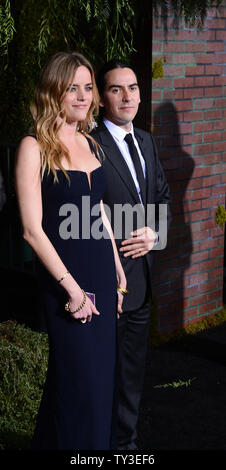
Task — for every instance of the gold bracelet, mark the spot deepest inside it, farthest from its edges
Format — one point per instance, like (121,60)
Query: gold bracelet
(61,279)
(122,290)
(67,305)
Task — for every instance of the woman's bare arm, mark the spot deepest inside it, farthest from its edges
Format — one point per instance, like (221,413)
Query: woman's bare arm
(121,278)
(28,188)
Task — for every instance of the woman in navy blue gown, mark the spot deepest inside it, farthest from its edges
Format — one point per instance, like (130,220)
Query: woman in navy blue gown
(60,184)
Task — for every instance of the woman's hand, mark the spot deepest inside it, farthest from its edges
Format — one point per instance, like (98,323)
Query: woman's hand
(122,283)
(86,312)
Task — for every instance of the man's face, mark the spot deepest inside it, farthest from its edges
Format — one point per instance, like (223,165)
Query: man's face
(121,96)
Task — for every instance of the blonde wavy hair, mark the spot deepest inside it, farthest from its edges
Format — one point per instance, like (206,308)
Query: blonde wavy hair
(56,77)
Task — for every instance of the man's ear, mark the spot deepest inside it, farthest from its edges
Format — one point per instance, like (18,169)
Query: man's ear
(101,103)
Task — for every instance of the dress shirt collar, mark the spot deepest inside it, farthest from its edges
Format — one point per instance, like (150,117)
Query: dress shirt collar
(117,132)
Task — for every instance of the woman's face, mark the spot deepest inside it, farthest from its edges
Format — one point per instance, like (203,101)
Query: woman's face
(79,96)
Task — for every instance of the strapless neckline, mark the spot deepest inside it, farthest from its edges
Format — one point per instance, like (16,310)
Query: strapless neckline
(84,172)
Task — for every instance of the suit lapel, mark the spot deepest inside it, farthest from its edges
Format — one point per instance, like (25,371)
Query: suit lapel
(114,155)
(145,150)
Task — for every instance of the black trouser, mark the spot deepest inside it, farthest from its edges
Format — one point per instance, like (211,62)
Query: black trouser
(133,329)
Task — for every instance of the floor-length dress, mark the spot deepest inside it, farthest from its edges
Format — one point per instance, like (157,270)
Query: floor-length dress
(77,407)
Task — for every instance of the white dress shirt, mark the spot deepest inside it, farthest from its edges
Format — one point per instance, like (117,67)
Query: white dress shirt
(118,135)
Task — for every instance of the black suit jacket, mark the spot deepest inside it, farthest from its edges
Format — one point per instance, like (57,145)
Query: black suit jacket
(121,190)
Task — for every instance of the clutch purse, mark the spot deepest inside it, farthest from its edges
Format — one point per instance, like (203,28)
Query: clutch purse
(92,297)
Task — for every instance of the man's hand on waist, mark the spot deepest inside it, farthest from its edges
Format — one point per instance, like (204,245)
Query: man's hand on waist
(142,241)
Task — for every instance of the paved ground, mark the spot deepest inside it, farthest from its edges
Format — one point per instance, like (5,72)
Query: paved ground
(192,417)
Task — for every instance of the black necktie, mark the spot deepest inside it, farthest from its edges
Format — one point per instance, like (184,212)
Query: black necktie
(137,164)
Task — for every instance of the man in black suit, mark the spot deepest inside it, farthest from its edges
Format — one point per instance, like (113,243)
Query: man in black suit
(134,178)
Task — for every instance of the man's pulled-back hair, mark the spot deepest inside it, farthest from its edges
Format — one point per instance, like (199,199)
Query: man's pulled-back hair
(111,65)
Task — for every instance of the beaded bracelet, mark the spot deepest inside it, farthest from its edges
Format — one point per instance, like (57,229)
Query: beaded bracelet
(67,305)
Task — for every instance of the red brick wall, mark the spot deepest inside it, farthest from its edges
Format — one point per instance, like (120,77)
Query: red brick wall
(188,121)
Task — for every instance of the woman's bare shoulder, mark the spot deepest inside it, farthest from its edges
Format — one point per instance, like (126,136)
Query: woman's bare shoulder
(28,151)
(29,142)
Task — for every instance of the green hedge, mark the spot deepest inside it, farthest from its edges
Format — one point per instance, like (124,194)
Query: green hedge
(23,365)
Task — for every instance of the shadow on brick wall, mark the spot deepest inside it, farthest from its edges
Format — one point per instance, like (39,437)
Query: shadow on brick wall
(174,263)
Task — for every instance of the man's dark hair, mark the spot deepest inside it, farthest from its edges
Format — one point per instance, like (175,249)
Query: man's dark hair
(112,64)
